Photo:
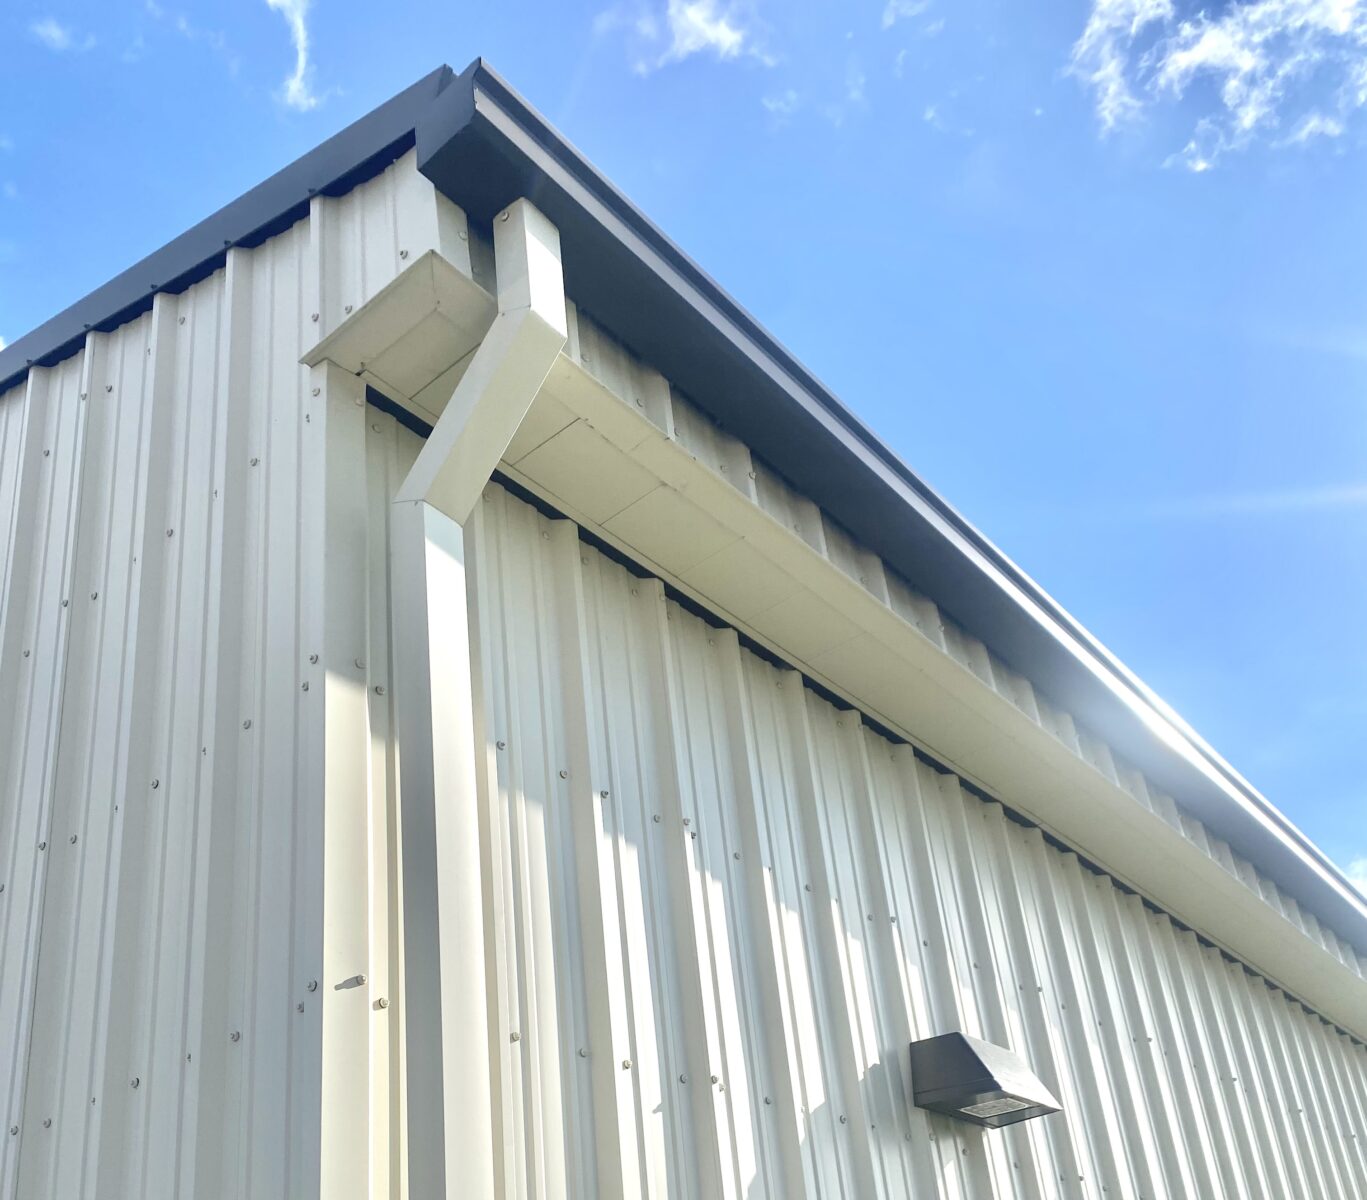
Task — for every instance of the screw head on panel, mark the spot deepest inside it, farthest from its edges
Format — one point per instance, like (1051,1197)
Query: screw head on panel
(313,317)
(313,985)
(14,1131)
(170,533)
(347,310)
(247,724)
(503,216)
(42,845)
(255,461)
(382,1002)
(683,1078)
(47,1122)
(626,1064)
(47,453)
(403,253)
(583,1053)
(656,818)
(602,795)
(300,1006)
(304,687)
(502,745)
(360,664)
(108,387)
(316,391)
(73,839)
(94,595)
(715,1079)
(564,774)
(235,1036)
(360,978)
(313,658)
(514,1036)
(379,689)
(135,1082)
(156,783)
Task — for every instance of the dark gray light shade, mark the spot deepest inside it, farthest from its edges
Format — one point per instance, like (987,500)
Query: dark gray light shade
(976,1081)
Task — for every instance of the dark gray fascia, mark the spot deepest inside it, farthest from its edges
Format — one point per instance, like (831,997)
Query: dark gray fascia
(483,146)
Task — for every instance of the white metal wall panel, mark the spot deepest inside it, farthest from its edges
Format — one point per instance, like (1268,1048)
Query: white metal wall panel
(725,907)
(161,735)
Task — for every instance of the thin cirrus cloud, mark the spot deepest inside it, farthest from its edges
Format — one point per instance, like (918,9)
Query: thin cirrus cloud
(59,38)
(682,29)
(297,90)
(900,10)
(1273,502)
(1285,71)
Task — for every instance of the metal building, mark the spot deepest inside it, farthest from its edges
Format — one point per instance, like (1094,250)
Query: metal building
(477,719)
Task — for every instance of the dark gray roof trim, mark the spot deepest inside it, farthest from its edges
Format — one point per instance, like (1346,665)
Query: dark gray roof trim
(483,146)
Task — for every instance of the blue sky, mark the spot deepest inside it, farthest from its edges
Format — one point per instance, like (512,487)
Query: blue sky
(1096,269)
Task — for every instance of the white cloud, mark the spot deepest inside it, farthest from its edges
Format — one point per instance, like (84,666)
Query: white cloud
(898,10)
(682,29)
(785,104)
(1357,874)
(298,89)
(1249,68)
(58,37)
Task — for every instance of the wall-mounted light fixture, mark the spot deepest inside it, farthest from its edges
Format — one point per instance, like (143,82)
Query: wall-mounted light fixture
(976,1081)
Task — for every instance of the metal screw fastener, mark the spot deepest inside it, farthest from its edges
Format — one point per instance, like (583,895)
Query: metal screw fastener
(64,603)
(235,1036)
(403,253)
(736,855)
(767,1100)
(360,664)
(514,1036)
(683,1078)
(26,653)
(602,795)
(316,391)
(73,839)
(313,985)
(656,818)
(382,1002)
(503,216)
(583,1053)
(313,316)
(347,309)
(360,978)
(806,887)
(108,387)
(47,453)
(247,724)
(42,845)
(300,1006)
(379,689)
(170,533)
(313,658)
(502,745)
(135,1082)
(47,1122)
(715,1079)
(304,687)
(626,1064)
(14,1131)
(181,321)
(688,820)
(844,1120)
(255,461)
(564,774)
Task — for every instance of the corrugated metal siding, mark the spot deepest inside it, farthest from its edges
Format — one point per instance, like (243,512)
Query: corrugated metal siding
(726,907)
(637,384)
(161,743)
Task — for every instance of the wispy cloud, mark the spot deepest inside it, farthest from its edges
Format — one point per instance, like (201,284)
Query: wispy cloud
(215,39)
(900,10)
(1268,64)
(1273,502)
(298,88)
(682,29)
(1357,874)
(783,104)
(58,37)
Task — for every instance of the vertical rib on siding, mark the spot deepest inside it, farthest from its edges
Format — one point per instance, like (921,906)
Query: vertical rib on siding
(830,898)
(162,795)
